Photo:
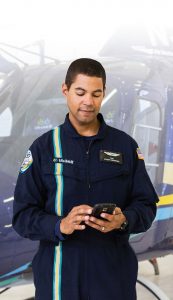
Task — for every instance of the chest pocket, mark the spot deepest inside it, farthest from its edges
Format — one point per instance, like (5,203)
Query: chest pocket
(66,170)
(106,170)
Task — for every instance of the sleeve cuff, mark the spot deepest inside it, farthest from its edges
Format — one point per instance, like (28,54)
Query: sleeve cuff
(131,219)
(58,233)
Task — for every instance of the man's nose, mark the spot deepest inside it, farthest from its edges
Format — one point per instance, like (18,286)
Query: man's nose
(88,99)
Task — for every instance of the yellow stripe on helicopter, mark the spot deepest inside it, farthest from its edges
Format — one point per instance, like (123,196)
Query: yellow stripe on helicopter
(165,200)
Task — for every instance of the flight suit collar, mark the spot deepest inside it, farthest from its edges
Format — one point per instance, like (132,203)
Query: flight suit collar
(68,127)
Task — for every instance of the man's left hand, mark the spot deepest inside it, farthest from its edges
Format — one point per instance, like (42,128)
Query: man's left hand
(109,223)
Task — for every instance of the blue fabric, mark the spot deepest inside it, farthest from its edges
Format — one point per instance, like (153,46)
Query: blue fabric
(94,266)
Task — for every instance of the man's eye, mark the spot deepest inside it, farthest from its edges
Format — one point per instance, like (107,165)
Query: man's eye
(80,94)
(96,96)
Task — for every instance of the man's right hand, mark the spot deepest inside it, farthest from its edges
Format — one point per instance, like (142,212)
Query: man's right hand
(75,217)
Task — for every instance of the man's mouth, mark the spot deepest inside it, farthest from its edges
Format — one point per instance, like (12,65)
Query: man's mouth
(87,110)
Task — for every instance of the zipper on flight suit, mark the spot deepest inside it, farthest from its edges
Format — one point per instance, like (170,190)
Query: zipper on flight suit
(87,153)
(88,186)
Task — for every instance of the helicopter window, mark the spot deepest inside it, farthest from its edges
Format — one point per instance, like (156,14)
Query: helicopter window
(146,132)
(6,119)
(2,79)
(51,89)
(111,107)
(47,109)
(44,115)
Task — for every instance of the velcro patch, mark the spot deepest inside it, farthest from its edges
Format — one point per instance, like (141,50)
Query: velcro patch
(115,157)
(28,160)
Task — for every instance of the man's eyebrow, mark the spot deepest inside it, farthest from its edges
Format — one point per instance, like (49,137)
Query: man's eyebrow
(81,89)
(99,90)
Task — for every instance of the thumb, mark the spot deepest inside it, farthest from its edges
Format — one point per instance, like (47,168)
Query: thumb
(117,211)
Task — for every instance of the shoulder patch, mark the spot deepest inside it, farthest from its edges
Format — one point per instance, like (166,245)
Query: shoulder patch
(139,154)
(28,160)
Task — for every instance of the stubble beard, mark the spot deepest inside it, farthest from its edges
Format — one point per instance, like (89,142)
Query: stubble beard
(82,120)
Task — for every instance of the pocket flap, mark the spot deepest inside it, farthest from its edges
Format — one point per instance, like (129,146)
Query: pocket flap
(65,170)
(109,170)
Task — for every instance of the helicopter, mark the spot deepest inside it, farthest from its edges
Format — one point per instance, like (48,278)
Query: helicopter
(139,101)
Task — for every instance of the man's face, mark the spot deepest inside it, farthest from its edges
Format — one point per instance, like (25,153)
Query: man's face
(84,99)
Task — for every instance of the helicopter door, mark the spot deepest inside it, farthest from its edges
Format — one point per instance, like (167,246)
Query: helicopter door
(146,131)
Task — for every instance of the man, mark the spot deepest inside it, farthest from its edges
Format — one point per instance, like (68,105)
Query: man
(65,173)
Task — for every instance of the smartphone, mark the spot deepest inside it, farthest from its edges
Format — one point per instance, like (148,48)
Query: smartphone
(103,208)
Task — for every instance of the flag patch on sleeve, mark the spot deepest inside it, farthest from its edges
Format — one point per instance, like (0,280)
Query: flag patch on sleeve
(139,154)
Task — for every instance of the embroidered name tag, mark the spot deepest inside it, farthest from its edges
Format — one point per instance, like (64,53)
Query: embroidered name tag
(62,161)
(115,157)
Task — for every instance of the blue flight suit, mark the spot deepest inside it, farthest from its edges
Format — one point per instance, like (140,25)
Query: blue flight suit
(61,170)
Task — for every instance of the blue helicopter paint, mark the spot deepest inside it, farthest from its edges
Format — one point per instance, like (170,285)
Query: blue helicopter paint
(16,271)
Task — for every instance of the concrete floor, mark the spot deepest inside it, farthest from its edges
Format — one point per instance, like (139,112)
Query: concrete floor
(164,281)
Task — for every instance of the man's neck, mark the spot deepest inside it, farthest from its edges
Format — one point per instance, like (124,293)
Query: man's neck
(86,129)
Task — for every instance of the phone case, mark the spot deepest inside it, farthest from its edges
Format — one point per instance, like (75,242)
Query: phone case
(103,208)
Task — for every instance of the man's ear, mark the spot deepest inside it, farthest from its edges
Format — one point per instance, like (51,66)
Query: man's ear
(64,89)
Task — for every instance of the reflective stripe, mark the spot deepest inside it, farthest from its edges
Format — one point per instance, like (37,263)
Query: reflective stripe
(57,272)
(58,211)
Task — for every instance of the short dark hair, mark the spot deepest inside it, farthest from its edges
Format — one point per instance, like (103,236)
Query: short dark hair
(85,66)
